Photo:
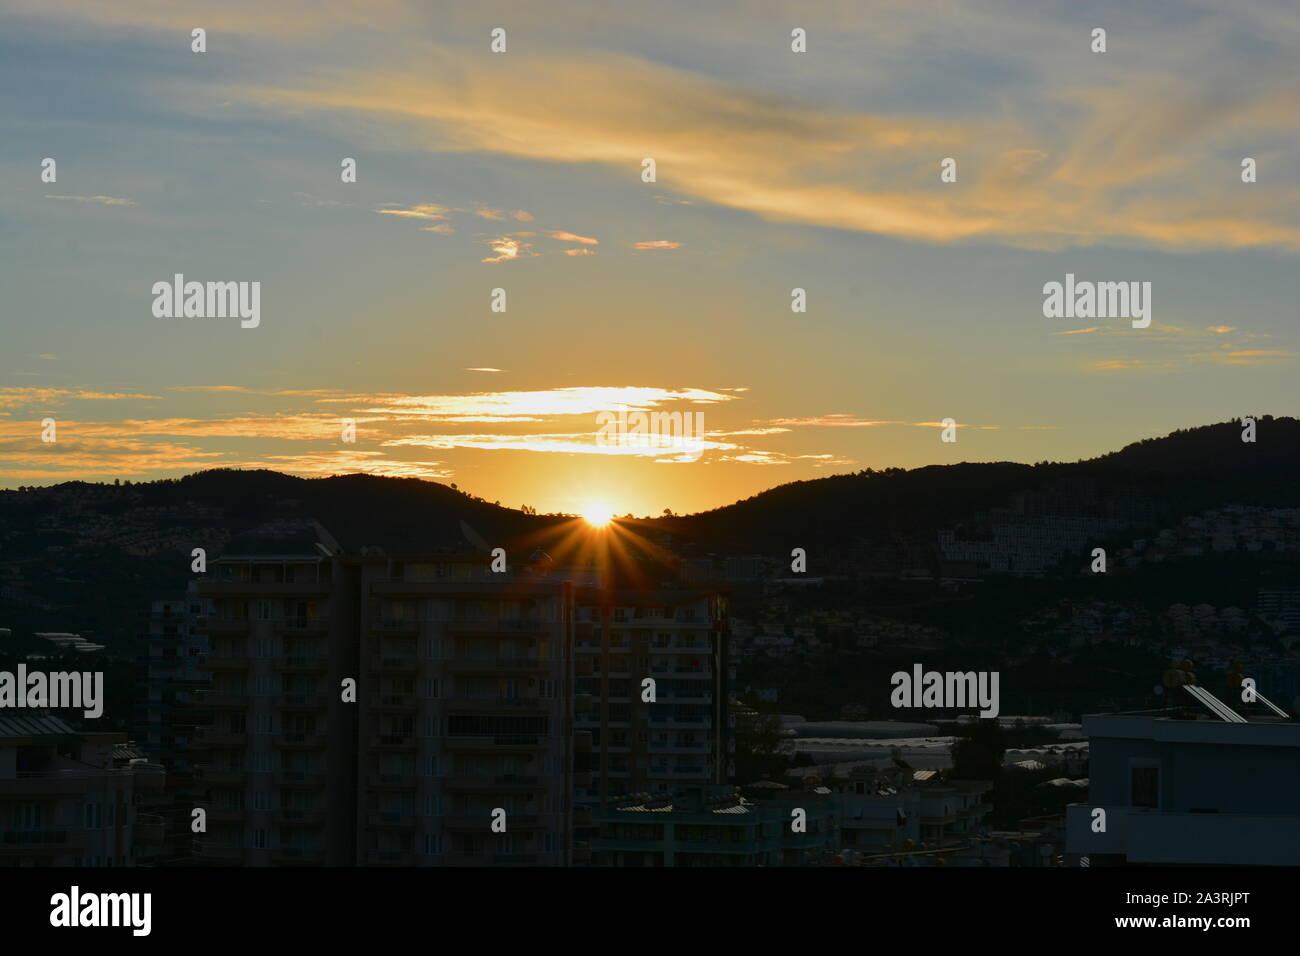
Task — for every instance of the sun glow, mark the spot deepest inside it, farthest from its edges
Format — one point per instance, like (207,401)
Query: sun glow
(597,514)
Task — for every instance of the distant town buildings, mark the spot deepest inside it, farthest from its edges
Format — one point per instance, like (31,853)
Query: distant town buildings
(73,798)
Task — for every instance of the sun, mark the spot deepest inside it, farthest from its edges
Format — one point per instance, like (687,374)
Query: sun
(597,514)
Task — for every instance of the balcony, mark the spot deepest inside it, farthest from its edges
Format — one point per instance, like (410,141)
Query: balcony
(493,626)
(679,746)
(508,782)
(220,737)
(298,856)
(225,814)
(222,625)
(392,781)
(301,741)
(310,701)
(515,859)
(402,819)
(394,664)
(392,742)
(397,627)
(301,626)
(219,700)
(499,666)
(37,839)
(745,848)
(301,665)
(311,779)
(497,742)
(223,662)
(402,703)
(216,852)
(533,704)
(214,588)
(221,775)
(150,828)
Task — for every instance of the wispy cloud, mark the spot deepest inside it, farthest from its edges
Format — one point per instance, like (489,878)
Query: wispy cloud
(508,249)
(570,237)
(24,396)
(100,200)
(1026,179)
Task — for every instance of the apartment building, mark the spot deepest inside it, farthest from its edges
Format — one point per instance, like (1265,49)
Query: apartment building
(469,712)
(1202,792)
(679,640)
(376,710)
(173,649)
(66,798)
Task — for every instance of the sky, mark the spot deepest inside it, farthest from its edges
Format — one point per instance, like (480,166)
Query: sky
(523,171)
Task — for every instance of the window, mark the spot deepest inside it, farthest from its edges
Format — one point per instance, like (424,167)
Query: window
(259,839)
(27,816)
(1144,785)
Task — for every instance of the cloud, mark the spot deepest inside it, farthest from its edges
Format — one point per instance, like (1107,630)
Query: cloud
(533,405)
(657,244)
(508,249)
(1110,173)
(580,252)
(421,211)
(667,447)
(570,237)
(484,370)
(834,420)
(101,200)
(24,396)
(285,20)
(352,462)
(522,215)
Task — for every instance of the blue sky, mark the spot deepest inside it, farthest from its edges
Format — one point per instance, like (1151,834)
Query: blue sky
(776,170)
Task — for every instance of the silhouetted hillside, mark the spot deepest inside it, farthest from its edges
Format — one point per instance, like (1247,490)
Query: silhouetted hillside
(1190,470)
